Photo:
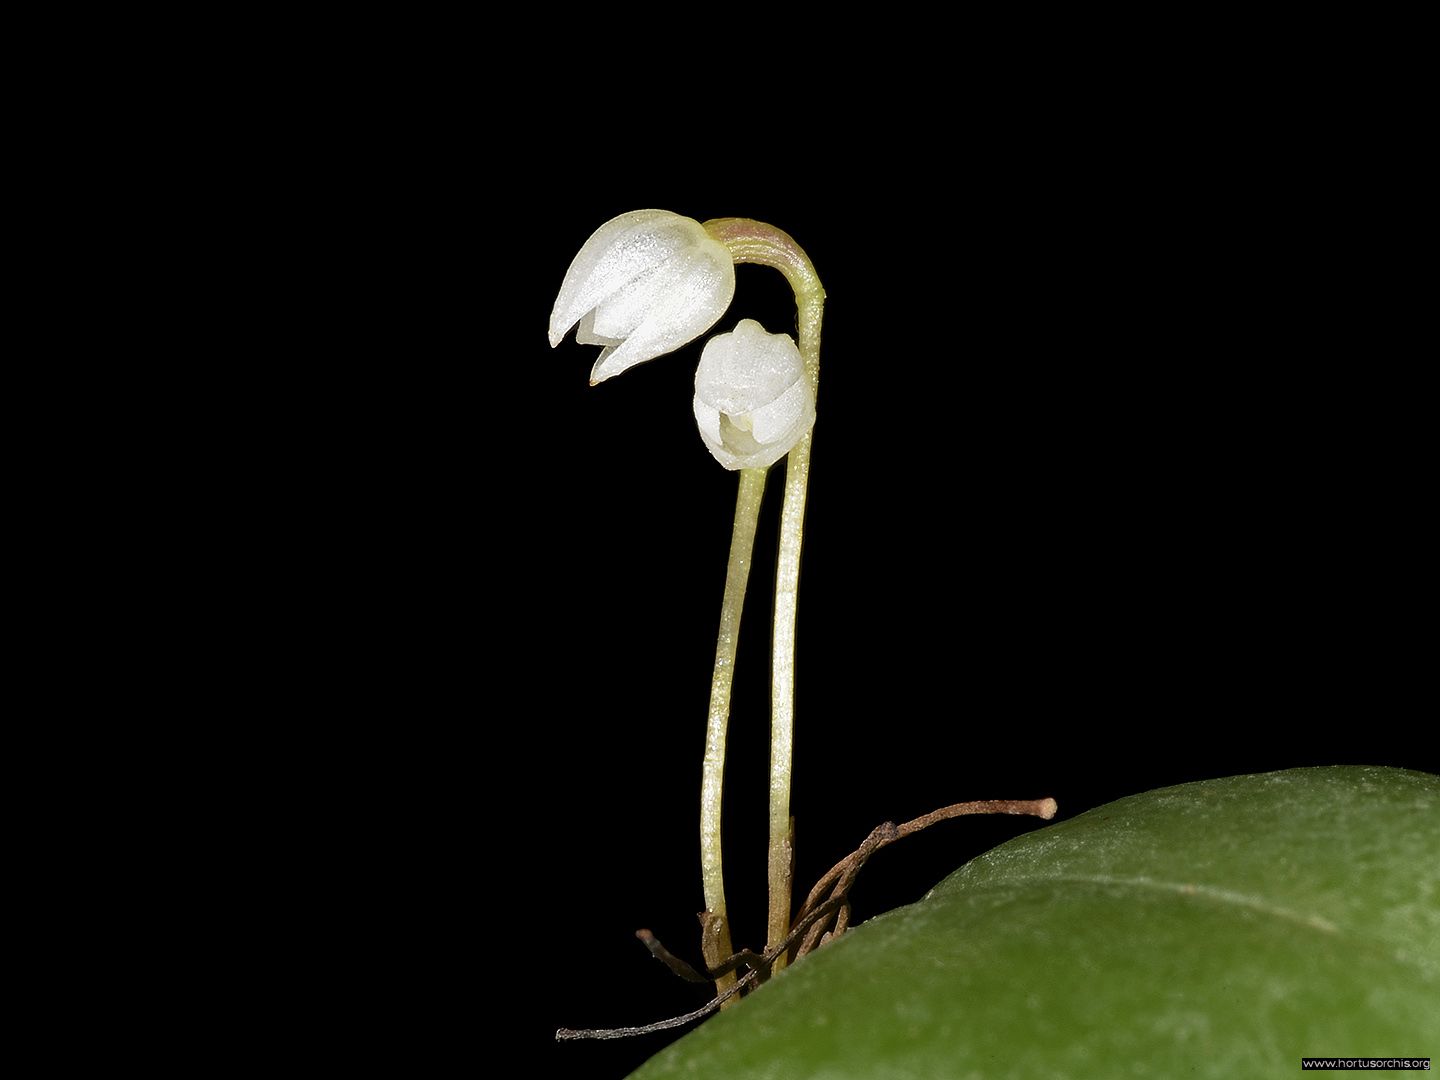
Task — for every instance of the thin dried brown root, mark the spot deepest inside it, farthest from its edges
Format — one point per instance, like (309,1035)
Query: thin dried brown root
(669,959)
(838,880)
(759,966)
(566,1034)
(1041,808)
(813,927)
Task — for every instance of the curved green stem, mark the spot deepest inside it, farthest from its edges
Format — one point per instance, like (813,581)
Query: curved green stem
(755,242)
(737,574)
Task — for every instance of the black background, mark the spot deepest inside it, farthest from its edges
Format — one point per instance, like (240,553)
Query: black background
(1117,482)
(1101,501)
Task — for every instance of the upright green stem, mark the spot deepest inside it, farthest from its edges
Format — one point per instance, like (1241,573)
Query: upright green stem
(782,694)
(742,543)
(756,242)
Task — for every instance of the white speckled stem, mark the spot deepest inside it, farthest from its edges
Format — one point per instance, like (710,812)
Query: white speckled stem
(756,242)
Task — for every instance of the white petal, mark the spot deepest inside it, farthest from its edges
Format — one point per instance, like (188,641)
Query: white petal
(708,421)
(794,408)
(753,402)
(621,312)
(747,369)
(585,334)
(693,303)
(618,252)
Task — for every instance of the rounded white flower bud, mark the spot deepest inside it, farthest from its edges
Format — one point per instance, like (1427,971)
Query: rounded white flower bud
(752,399)
(644,284)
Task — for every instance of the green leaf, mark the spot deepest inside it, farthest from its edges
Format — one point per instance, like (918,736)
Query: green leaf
(1216,929)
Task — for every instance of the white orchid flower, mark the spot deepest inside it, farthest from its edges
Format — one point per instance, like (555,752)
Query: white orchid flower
(752,398)
(644,284)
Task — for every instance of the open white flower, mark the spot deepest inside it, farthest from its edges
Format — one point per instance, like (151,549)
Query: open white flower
(752,398)
(644,284)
